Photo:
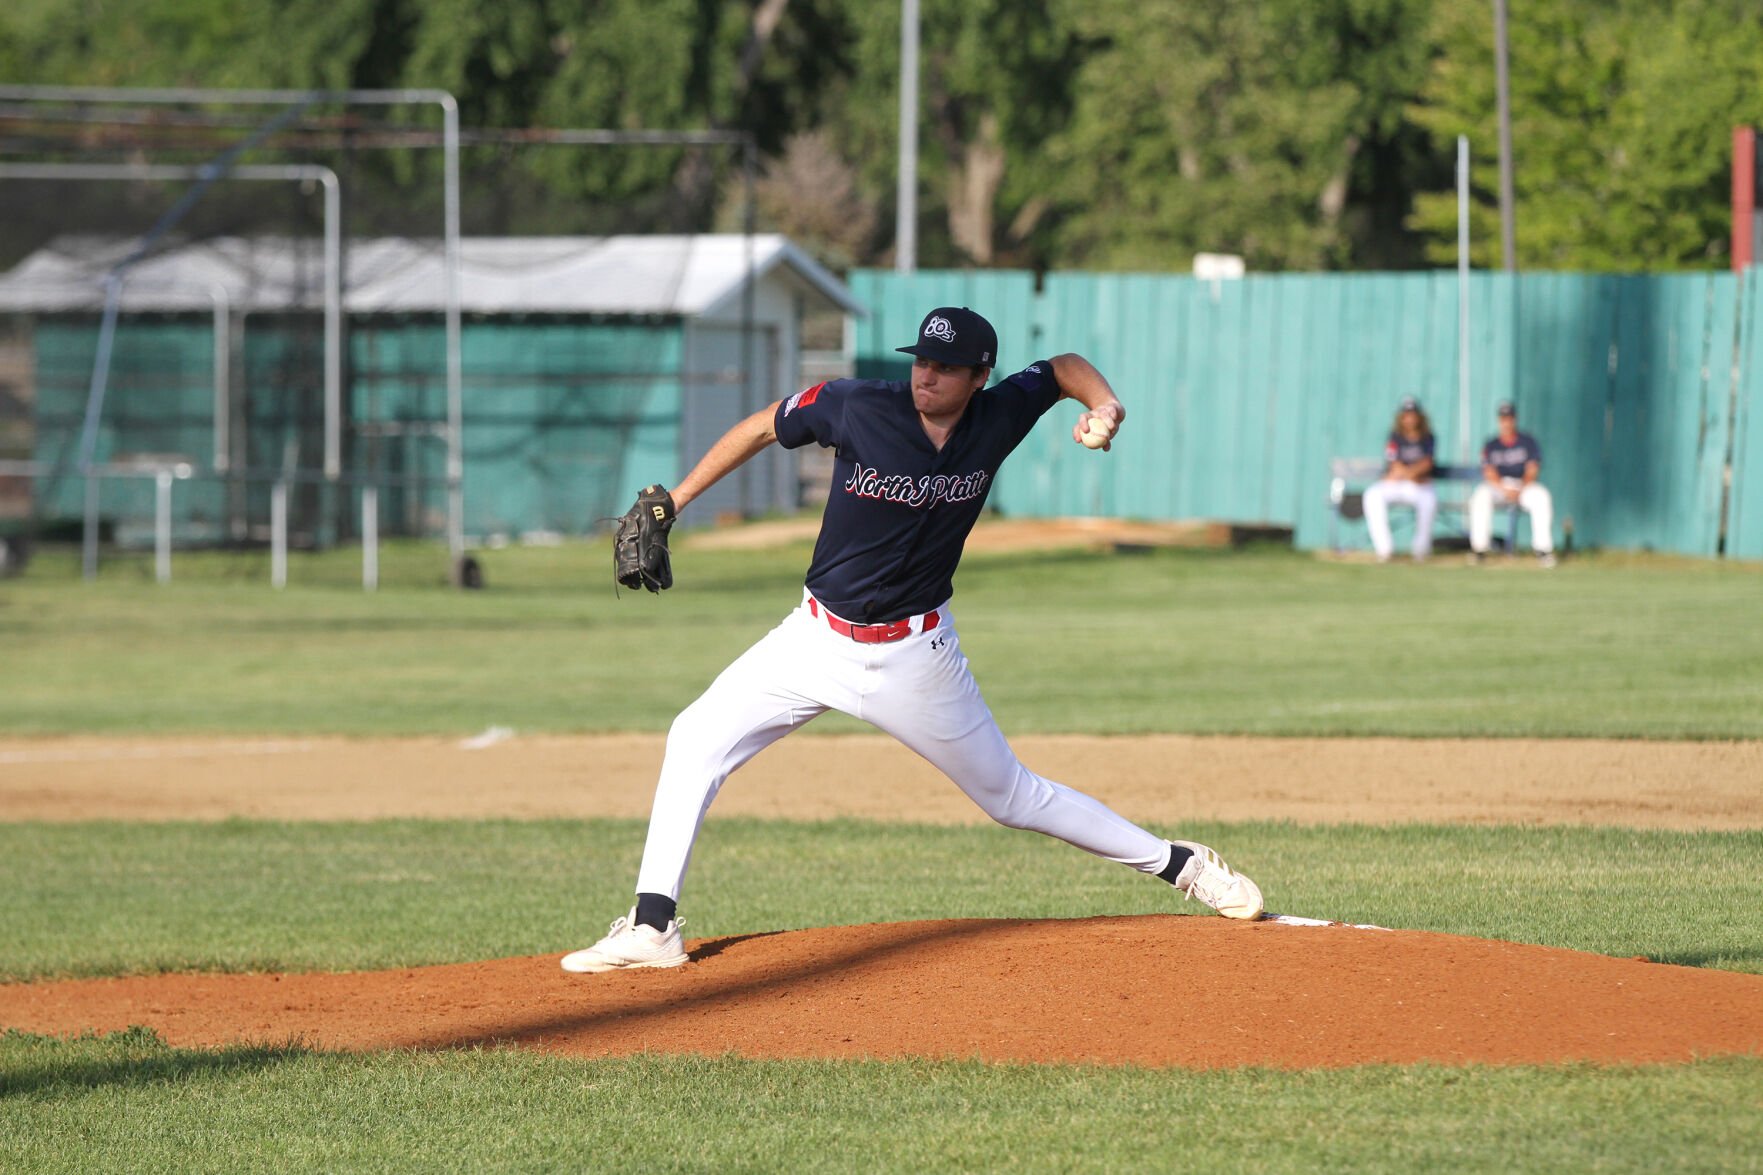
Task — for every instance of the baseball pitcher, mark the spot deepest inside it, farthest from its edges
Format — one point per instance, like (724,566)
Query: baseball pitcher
(874,635)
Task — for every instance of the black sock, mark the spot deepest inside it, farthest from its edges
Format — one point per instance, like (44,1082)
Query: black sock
(1178,860)
(655,911)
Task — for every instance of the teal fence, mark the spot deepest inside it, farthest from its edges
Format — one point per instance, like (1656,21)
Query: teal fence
(1744,516)
(557,414)
(563,419)
(1645,391)
(164,407)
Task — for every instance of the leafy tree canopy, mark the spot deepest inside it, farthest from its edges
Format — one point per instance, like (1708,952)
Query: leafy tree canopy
(1302,134)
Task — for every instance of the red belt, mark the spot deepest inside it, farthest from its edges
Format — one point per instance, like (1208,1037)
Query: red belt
(872,634)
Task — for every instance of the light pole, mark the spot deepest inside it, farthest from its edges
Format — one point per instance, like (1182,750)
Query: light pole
(906,197)
(1503,99)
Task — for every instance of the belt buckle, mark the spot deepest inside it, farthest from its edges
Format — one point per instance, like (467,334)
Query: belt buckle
(881,634)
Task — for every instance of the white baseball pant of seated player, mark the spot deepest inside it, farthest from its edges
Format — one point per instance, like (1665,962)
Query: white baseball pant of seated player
(1378,499)
(1533,499)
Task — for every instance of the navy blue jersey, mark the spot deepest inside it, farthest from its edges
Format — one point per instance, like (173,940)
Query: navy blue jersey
(900,509)
(1510,460)
(1400,448)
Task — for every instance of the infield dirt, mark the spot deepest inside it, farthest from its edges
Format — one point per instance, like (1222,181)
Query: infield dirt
(1168,990)
(1161,779)
(1173,990)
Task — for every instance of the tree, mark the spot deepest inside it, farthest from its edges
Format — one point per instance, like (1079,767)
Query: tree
(811,194)
(1259,127)
(1299,133)
(994,84)
(212,43)
(1621,126)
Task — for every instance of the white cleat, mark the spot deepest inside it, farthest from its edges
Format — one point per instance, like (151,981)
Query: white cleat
(1209,879)
(629,944)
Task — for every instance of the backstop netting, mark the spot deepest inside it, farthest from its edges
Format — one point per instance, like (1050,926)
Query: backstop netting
(220,366)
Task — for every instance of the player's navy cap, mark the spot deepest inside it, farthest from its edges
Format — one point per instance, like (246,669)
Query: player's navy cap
(1505,408)
(957,336)
(1409,404)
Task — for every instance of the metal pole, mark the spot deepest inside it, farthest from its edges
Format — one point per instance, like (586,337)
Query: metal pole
(333,326)
(182,95)
(1463,299)
(455,375)
(223,375)
(906,190)
(748,167)
(89,530)
(89,430)
(1744,196)
(370,538)
(278,535)
(1503,99)
(162,526)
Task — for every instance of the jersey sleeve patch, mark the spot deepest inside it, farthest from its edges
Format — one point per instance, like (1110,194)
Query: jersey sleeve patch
(803,398)
(814,415)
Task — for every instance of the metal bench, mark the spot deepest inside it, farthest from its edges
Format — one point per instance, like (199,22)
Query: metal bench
(1349,477)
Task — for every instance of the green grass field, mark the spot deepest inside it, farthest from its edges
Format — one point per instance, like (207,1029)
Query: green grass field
(1259,641)
(104,899)
(135,1105)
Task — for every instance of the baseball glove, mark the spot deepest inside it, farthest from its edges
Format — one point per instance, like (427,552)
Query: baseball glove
(639,548)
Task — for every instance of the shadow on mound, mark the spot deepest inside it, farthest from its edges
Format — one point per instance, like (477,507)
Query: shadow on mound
(1163,990)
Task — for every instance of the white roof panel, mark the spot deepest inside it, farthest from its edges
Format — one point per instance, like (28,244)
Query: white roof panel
(680,276)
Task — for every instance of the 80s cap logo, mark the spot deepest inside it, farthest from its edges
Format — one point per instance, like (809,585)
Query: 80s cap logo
(937,327)
(957,336)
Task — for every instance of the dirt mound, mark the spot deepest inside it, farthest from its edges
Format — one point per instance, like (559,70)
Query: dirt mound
(1166,990)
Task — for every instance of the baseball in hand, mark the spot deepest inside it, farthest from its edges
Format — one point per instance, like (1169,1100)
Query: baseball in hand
(1098,432)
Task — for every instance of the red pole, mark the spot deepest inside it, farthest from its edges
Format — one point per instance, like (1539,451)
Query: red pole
(1744,196)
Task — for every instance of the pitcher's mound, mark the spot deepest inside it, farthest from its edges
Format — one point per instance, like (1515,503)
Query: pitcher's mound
(1193,991)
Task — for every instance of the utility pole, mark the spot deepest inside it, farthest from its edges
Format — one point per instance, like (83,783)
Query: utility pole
(906,198)
(1503,96)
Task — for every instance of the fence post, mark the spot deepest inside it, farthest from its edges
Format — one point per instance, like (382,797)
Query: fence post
(89,534)
(162,526)
(278,535)
(370,538)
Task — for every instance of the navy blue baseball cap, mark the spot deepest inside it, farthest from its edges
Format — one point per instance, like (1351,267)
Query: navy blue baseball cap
(957,336)
(1505,408)
(1408,404)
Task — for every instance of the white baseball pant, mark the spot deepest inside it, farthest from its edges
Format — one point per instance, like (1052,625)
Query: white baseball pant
(918,689)
(1380,496)
(1533,499)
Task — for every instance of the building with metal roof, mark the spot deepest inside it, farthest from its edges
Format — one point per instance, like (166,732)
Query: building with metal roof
(591,367)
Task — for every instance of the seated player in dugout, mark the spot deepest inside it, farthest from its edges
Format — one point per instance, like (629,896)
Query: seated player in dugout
(874,635)
(1406,481)
(1510,463)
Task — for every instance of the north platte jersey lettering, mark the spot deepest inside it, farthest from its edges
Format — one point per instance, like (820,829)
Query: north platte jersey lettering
(919,492)
(900,510)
